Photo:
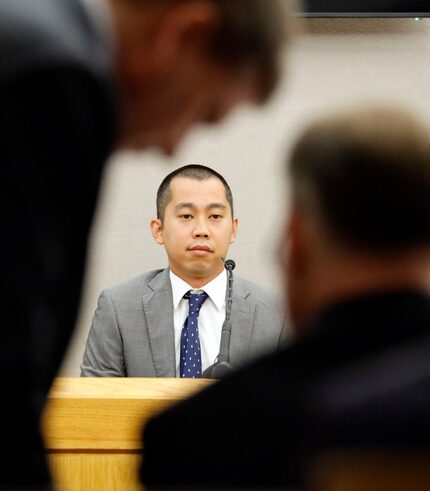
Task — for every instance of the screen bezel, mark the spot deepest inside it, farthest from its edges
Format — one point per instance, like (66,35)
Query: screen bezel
(406,15)
(398,15)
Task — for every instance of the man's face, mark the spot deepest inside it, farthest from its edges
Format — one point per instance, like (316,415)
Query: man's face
(163,106)
(197,229)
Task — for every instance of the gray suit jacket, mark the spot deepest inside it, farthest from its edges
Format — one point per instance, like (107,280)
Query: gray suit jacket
(132,333)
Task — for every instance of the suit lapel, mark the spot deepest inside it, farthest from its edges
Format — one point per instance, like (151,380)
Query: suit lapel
(158,310)
(242,317)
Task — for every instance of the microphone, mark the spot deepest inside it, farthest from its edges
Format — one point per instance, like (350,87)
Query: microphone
(229,265)
(222,365)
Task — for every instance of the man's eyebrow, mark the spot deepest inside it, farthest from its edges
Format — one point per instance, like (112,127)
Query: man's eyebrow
(184,204)
(216,205)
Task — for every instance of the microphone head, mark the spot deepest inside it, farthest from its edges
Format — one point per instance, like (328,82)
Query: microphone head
(229,265)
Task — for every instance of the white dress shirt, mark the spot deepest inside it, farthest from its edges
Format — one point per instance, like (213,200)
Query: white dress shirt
(211,317)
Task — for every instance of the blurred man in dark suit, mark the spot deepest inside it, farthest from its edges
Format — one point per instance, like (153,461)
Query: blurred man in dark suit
(79,79)
(356,256)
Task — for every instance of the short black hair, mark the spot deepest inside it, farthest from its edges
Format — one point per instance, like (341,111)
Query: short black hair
(366,173)
(192,171)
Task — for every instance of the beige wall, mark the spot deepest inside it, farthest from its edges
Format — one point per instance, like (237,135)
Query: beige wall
(334,62)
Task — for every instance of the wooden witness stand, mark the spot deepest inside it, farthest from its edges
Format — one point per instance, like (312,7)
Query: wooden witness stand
(92,428)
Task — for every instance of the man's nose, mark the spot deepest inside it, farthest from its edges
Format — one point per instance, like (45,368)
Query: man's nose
(201,229)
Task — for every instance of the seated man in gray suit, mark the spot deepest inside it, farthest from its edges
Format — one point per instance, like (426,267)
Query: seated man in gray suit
(148,327)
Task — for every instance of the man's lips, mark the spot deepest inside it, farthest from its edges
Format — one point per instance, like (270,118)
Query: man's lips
(202,249)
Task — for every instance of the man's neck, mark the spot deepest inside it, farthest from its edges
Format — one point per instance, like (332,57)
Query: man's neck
(197,282)
(339,284)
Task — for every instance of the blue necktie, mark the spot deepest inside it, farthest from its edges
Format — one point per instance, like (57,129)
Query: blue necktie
(191,360)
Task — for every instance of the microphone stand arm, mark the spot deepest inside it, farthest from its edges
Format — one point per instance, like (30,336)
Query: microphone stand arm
(222,365)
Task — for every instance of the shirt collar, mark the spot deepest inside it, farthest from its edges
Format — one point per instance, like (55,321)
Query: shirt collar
(215,289)
(101,17)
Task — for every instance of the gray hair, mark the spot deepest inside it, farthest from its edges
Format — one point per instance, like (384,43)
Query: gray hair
(366,174)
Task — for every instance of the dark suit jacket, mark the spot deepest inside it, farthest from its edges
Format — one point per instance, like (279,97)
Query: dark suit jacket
(57,126)
(358,376)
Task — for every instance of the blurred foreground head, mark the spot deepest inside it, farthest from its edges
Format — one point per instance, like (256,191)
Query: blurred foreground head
(183,62)
(360,211)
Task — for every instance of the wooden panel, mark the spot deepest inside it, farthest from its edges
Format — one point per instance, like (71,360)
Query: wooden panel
(107,413)
(92,428)
(95,472)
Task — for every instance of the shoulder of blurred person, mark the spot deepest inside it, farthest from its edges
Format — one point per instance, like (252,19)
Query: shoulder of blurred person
(51,34)
(58,125)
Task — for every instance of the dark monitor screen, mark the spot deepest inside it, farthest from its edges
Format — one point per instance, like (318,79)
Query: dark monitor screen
(365,8)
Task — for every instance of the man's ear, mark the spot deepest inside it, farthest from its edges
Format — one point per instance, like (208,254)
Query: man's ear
(234,230)
(156,227)
(181,29)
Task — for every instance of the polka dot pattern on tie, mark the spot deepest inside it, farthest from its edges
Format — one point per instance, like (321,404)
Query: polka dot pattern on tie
(191,361)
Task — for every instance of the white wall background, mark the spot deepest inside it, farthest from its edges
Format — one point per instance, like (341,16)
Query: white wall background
(335,61)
